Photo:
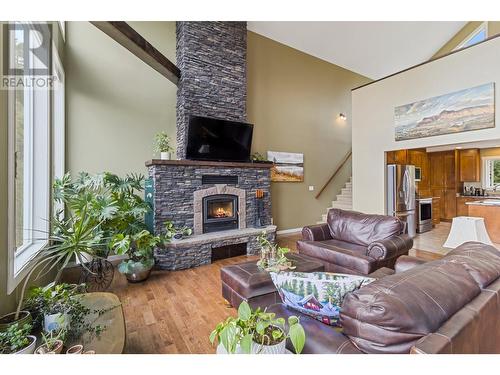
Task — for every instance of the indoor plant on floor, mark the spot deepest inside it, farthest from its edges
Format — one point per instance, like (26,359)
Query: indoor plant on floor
(139,249)
(257,332)
(162,145)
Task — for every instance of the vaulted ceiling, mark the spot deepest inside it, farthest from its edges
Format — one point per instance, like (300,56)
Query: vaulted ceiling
(373,49)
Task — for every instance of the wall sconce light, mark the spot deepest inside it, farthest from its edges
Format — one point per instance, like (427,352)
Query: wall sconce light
(342,116)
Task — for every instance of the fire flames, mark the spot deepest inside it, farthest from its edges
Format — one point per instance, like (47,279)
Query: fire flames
(220,212)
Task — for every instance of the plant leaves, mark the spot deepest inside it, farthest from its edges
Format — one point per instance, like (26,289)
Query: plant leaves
(244,311)
(246,343)
(297,337)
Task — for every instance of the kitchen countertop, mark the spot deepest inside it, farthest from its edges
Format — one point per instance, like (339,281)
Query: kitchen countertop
(487,202)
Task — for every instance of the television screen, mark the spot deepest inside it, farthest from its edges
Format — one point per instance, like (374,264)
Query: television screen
(218,140)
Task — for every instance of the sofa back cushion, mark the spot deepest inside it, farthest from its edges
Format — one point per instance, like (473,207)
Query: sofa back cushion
(362,229)
(391,314)
(480,260)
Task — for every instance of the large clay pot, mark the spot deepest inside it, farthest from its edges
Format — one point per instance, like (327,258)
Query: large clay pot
(7,320)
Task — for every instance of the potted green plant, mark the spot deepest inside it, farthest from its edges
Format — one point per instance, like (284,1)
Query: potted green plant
(17,340)
(273,257)
(21,318)
(173,233)
(162,145)
(52,342)
(139,249)
(257,332)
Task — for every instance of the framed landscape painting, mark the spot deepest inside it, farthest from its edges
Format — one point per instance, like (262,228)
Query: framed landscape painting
(460,111)
(287,167)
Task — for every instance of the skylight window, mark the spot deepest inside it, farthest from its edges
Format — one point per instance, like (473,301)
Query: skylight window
(478,35)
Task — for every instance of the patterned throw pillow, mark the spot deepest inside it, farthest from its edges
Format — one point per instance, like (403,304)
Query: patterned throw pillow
(318,294)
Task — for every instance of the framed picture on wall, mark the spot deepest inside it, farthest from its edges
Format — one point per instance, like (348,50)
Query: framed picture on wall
(287,166)
(456,112)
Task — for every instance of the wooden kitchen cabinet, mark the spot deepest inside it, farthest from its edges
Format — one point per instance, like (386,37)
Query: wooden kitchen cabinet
(462,207)
(443,172)
(436,210)
(397,157)
(419,158)
(450,204)
(470,165)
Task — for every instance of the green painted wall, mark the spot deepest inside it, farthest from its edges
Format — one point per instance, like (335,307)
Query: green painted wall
(115,103)
(294,100)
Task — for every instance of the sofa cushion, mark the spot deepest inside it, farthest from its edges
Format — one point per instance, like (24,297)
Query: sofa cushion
(362,229)
(480,260)
(391,314)
(317,294)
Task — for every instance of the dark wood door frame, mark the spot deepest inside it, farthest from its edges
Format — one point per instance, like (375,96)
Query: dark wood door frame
(125,35)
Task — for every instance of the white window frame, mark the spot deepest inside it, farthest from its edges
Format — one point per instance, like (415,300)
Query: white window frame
(39,178)
(58,122)
(487,171)
(482,27)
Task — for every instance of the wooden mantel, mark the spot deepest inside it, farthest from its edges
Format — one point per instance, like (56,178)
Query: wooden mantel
(202,163)
(124,34)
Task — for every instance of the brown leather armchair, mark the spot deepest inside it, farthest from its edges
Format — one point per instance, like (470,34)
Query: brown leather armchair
(355,243)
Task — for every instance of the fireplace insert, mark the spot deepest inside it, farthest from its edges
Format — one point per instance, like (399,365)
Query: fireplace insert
(220,212)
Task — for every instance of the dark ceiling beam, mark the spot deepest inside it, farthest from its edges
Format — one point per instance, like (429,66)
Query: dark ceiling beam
(122,33)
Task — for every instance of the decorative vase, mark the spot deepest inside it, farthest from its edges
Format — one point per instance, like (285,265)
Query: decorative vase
(30,349)
(7,320)
(165,155)
(42,349)
(56,321)
(75,349)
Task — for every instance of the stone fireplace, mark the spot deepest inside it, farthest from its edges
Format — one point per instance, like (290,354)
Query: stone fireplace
(227,204)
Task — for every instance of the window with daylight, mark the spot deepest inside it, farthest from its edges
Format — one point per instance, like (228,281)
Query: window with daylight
(491,168)
(478,35)
(36,138)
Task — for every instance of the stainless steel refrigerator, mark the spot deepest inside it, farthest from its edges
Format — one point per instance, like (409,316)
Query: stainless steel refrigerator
(401,195)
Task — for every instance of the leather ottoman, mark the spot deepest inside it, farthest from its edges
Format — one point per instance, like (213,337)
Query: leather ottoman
(247,282)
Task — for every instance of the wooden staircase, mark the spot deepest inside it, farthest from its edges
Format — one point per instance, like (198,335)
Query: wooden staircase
(343,200)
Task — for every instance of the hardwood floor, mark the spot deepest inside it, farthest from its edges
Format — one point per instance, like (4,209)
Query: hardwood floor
(174,312)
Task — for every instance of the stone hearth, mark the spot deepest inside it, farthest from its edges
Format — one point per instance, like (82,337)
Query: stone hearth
(178,189)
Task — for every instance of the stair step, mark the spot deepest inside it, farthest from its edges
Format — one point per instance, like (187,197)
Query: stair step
(342,205)
(344,198)
(346,191)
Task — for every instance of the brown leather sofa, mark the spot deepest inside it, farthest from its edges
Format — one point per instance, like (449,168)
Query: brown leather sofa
(355,243)
(451,305)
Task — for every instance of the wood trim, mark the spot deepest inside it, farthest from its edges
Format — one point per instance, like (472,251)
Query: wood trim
(427,62)
(202,163)
(344,160)
(125,35)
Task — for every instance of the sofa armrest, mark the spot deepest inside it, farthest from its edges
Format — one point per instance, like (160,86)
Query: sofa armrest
(319,232)
(406,262)
(390,247)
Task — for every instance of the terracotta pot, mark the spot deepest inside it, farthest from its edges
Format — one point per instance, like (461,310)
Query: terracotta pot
(7,320)
(30,349)
(75,349)
(42,349)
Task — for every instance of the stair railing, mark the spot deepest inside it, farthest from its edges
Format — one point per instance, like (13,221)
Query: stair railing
(337,170)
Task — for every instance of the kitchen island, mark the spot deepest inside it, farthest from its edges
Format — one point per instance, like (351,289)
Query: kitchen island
(489,210)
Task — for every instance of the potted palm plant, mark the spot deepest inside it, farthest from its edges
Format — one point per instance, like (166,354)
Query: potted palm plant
(162,145)
(257,332)
(17,340)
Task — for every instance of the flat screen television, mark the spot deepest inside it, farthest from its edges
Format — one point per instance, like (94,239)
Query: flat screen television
(218,140)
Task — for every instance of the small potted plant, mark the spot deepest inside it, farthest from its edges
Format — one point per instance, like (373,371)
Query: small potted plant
(17,340)
(139,248)
(52,342)
(162,145)
(175,234)
(257,332)
(23,317)
(273,257)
